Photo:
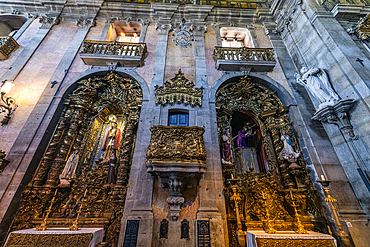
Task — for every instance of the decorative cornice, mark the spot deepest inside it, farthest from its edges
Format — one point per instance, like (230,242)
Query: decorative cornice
(180,91)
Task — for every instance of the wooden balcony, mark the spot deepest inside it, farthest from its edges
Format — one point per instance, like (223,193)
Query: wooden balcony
(103,53)
(239,59)
(8,45)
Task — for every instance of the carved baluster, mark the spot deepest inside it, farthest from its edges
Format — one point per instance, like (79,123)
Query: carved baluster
(51,150)
(65,147)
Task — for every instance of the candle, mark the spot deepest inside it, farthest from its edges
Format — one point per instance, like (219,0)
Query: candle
(323,178)
(232,176)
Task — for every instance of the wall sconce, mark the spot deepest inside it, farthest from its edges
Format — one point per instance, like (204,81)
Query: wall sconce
(8,103)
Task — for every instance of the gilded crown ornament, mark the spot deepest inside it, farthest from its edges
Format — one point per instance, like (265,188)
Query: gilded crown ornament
(180,91)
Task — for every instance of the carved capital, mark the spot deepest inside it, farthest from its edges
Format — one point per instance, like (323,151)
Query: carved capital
(163,28)
(112,19)
(48,22)
(199,29)
(16,12)
(83,23)
(3,162)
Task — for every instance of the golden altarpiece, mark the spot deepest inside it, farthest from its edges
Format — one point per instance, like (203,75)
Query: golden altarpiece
(282,197)
(98,107)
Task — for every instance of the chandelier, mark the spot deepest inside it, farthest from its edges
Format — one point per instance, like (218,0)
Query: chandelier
(183,36)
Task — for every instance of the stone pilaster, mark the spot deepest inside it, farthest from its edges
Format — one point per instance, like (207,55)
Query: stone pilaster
(211,201)
(217,27)
(144,27)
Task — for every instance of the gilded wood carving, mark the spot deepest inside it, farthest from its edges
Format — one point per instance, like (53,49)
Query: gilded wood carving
(81,128)
(179,90)
(283,199)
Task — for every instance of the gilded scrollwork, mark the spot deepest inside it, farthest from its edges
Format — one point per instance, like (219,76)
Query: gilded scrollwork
(81,128)
(179,90)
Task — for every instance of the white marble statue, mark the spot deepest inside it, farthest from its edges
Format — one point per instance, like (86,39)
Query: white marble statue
(317,83)
(69,169)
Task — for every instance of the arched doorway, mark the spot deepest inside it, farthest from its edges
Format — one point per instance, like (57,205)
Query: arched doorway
(277,193)
(82,177)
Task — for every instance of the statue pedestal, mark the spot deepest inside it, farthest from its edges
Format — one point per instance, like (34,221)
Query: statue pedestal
(246,158)
(289,238)
(55,237)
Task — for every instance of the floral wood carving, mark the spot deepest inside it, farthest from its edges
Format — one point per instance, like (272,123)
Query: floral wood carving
(180,90)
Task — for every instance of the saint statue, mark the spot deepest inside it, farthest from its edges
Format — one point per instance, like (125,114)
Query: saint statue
(226,154)
(317,83)
(112,139)
(69,169)
(244,135)
(288,147)
(111,164)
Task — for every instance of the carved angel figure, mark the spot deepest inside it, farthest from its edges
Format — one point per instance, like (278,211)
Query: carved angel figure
(317,83)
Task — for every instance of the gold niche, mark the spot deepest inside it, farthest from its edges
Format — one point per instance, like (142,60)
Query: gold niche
(282,199)
(88,201)
(180,90)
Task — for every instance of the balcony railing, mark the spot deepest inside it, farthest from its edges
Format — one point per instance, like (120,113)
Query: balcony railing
(235,59)
(8,45)
(101,53)
(330,4)
(217,3)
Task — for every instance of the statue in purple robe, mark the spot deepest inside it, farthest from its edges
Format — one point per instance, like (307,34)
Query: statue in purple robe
(244,135)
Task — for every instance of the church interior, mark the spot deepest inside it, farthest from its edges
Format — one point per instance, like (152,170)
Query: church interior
(189,123)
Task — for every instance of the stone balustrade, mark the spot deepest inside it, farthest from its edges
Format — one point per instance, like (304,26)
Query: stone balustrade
(103,53)
(8,45)
(236,59)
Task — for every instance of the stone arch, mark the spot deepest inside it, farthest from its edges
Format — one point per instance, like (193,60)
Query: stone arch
(262,79)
